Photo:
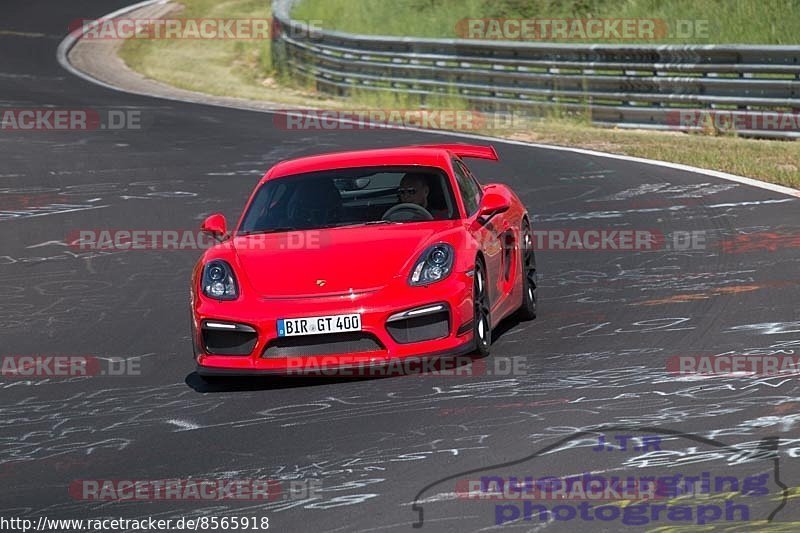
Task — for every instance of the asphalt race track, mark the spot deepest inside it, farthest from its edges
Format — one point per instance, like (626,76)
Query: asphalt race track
(378,450)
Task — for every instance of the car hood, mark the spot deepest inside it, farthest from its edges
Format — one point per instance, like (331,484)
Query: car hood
(333,261)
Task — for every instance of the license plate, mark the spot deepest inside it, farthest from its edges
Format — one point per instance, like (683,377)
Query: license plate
(317,325)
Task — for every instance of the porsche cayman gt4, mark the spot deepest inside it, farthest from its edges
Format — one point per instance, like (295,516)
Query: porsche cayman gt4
(362,258)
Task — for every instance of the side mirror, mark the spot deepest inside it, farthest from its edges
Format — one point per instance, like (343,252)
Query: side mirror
(493,204)
(216,226)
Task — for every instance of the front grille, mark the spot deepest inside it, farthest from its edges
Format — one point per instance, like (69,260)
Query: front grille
(221,342)
(420,328)
(330,344)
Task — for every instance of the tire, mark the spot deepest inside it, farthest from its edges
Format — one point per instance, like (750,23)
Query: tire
(527,310)
(482,319)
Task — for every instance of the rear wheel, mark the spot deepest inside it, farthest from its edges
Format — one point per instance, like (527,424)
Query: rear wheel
(527,310)
(482,321)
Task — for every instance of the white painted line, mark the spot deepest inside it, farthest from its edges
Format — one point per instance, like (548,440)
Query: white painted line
(69,41)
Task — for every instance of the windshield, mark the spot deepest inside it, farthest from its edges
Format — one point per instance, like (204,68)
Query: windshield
(349,197)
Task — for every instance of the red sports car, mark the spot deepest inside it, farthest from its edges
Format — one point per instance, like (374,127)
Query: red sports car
(362,258)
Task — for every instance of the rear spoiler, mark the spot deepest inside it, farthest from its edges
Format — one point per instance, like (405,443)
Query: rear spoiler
(471,151)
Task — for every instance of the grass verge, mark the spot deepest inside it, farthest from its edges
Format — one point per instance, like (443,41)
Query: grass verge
(243,69)
(225,67)
(772,161)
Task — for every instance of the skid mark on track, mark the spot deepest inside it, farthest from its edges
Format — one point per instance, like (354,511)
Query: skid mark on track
(722,291)
(770,241)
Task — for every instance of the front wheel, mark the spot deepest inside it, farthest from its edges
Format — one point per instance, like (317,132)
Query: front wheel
(527,310)
(482,321)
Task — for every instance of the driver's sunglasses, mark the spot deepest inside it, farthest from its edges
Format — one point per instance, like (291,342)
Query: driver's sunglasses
(407,190)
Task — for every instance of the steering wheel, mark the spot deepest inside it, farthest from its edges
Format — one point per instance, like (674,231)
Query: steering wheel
(405,212)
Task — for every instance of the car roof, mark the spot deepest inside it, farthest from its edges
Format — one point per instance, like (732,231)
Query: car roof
(426,156)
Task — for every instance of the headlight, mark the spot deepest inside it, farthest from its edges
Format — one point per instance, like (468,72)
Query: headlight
(218,281)
(434,265)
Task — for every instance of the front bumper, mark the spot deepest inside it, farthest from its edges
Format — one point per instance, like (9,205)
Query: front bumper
(384,337)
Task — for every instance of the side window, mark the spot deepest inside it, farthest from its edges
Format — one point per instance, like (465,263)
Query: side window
(475,182)
(469,189)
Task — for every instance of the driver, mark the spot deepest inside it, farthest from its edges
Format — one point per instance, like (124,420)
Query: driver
(414,189)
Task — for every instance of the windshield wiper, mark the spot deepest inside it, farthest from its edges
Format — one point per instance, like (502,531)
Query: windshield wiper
(370,223)
(354,224)
(341,225)
(269,230)
(376,222)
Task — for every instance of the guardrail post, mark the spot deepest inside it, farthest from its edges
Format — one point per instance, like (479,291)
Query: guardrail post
(277,44)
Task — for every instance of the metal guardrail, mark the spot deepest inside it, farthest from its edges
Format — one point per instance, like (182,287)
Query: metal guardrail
(635,86)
